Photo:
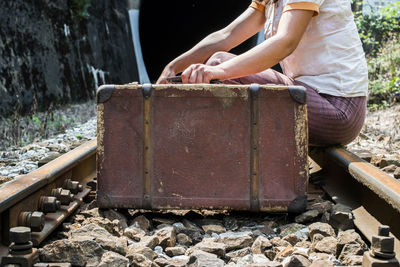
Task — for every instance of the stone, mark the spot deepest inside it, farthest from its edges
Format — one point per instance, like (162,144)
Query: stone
(100,235)
(213,228)
(204,260)
(322,207)
(76,252)
(341,217)
(158,221)
(175,251)
(293,239)
(321,228)
(326,245)
(140,249)
(90,213)
(260,245)
(150,241)
(321,263)
(290,228)
(302,233)
(5,179)
(142,222)
(178,261)
(350,237)
(139,260)
(308,216)
(113,227)
(190,229)
(278,242)
(211,247)
(379,161)
(115,215)
(236,254)
(112,259)
(396,173)
(390,168)
(283,253)
(297,261)
(303,244)
(166,236)
(230,223)
(134,233)
(315,256)
(183,239)
(350,250)
(235,240)
(352,260)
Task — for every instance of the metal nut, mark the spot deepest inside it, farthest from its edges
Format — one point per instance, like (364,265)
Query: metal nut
(20,235)
(383,244)
(49,204)
(73,186)
(64,196)
(34,220)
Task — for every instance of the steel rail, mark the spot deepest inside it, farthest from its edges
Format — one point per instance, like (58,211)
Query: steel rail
(24,193)
(373,196)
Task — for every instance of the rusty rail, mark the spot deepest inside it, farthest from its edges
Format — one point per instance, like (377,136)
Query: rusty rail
(373,196)
(43,198)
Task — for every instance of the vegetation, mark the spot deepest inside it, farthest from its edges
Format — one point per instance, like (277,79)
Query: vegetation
(80,8)
(380,34)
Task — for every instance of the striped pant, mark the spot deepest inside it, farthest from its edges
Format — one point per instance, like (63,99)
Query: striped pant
(332,120)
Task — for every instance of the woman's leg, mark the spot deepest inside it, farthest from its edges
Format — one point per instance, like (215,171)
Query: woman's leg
(331,119)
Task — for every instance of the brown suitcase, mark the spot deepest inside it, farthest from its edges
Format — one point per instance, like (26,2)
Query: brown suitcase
(202,146)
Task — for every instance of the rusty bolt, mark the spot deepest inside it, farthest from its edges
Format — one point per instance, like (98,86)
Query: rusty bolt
(64,196)
(34,220)
(49,204)
(73,186)
(20,235)
(382,245)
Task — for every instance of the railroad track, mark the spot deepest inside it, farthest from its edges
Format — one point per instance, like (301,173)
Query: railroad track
(45,197)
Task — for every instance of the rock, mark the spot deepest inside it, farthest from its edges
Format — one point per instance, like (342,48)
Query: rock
(322,207)
(113,227)
(260,245)
(183,239)
(138,260)
(211,247)
(204,260)
(230,223)
(178,261)
(160,261)
(379,161)
(302,233)
(301,251)
(76,252)
(100,235)
(142,222)
(138,248)
(297,261)
(303,244)
(348,253)
(166,237)
(315,256)
(115,215)
(325,217)
(265,264)
(321,263)
(236,254)
(158,250)
(112,259)
(213,228)
(290,228)
(190,229)
(158,221)
(5,179)
(150,241)
(390,168)
(308,216)
(235,240)
(175,251)
(283,252)
(326,245)
(320,228)
(350,237)
(341,217)
(134,233)
(90,213)
(278,242)
(292,239)
(396,173)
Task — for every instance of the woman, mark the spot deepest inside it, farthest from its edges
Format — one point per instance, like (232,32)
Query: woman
(317,45)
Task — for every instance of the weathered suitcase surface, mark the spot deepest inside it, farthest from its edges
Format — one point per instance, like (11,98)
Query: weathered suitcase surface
(202,146)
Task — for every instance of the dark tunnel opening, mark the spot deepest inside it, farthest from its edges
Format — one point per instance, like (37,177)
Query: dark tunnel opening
(169,28)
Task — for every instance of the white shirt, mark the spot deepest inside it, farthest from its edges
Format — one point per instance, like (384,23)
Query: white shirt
(329,57)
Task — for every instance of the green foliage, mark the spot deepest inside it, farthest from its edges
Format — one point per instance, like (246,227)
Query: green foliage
(377,28)
(79,136)
(80,7)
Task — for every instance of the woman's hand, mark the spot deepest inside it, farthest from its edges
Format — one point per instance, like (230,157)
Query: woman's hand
(167,72)
(200,73)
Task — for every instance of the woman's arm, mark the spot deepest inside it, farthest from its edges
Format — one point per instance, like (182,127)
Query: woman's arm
(292,25)
(242,28)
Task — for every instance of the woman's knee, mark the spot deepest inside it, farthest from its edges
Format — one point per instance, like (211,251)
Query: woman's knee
(219,57)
